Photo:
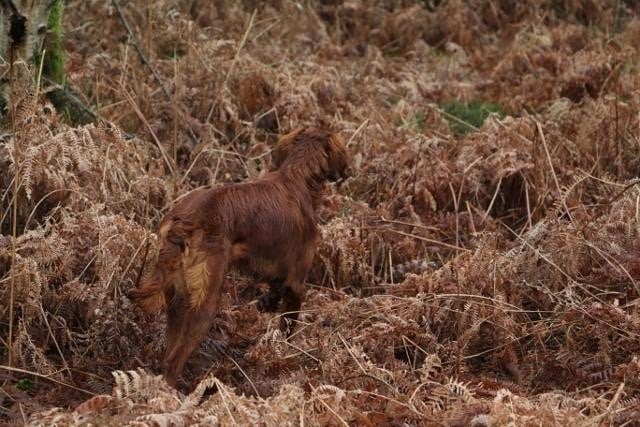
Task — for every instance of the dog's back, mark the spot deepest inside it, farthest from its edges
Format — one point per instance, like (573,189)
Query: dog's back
(260,224)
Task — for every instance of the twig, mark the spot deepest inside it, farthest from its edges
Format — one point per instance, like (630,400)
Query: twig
(616,396)
(526,193)
(364,371)
(146,123)
(141,54)
(220,387)
(624,190)
(193,163)
(335,414)
(14,219)
(397,402)
(55,341)
(493,199)
(235,59)
(253,386)
(415,171)
(39,76)
(454,118)
(553,172)
(37,205)
(144,264)
(472,223)
(613,263)
(410,224)
(175,112)
(456,207)
(425,239)
(598,420)
(241,157)
(358,130)
(133,258)
(541,255)
(242,43)
(301,350)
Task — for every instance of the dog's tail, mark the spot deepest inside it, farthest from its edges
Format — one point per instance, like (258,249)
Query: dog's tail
(151,295)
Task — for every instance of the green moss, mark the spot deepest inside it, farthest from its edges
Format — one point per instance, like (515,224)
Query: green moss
(63,98)
(53,66)
(25,384)
(464,117)
(173,53)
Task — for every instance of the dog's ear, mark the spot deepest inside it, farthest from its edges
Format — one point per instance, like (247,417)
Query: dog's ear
(283,147)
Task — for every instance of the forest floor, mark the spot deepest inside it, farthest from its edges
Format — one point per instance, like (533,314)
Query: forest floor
(481,266)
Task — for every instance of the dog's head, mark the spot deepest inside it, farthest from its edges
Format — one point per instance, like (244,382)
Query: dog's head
(320,150)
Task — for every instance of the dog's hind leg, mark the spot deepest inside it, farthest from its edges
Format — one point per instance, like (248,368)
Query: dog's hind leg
(203,279)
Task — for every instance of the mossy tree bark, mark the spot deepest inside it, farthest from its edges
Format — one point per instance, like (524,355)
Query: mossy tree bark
(29,28)
(53,66)
(23,29)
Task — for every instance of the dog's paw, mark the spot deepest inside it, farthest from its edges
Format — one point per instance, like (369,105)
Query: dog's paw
(268,303)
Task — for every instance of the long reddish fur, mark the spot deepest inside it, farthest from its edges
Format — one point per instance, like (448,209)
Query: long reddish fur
(266,227)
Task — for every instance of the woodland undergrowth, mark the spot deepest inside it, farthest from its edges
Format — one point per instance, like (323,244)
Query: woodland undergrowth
(484,277)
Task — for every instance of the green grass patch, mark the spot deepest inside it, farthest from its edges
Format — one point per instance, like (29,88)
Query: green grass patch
(25,384)
(465,117)
(173,53)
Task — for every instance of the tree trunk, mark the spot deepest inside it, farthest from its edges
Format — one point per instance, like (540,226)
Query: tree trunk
(23,28)
(27,29)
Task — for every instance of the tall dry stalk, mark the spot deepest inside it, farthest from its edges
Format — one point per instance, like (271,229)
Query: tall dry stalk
(14,207)
(176,95)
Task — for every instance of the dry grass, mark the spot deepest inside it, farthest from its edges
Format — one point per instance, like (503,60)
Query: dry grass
(479,279)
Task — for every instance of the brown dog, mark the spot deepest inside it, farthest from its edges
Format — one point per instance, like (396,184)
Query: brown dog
(266,227)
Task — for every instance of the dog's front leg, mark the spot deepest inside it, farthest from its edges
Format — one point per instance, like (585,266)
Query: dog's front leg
(294,289)
(292,296)
(270,301)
